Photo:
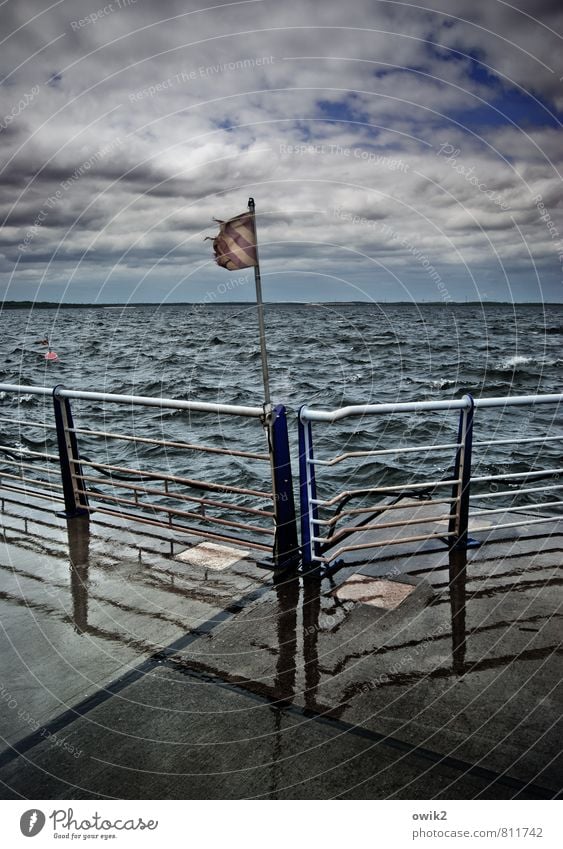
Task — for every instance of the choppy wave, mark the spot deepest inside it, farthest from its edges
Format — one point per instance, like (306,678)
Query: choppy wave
(515,362)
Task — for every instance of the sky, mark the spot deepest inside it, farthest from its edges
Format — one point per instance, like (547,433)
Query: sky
(396,151)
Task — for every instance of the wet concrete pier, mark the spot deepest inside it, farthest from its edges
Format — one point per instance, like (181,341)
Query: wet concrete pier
(132,668)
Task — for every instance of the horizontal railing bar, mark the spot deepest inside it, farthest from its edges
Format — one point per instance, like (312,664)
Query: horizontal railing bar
(517,441)
(307,414)
(28,480)
(180,528)
(29,453)
(35,493)
(523,522)
(378,509)
(512,475)
(173,511)
(378,453)
(379,543)
(165,403)
(169,444)
(522,508)
(138,400)
(19,389)
(215,487)
(518,400)
(384,489)
(359,529)
(207,502)
(30,466)
(28,423)
(516,492)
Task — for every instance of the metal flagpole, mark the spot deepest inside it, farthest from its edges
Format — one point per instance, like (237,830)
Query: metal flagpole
(260,305)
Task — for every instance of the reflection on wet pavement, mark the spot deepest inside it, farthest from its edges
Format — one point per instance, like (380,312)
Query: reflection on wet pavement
(461,674)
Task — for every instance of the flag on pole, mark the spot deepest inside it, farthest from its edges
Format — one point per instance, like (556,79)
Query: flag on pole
(235,247)
(235,244)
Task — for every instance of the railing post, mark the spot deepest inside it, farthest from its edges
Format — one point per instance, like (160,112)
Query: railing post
(76,502)
(307,492)
(459,514)
(286,544)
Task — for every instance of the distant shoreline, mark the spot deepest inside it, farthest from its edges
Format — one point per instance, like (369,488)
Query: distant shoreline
(54,305)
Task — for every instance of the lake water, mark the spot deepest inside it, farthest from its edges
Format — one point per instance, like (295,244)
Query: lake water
(322,355)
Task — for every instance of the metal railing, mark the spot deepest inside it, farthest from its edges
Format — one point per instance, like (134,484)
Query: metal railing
(249,500)
(258,516)
(511,487)
(330,528)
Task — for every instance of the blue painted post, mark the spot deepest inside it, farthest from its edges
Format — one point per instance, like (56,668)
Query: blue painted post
(459,514)
(307,492)
(76,503)
(286,543)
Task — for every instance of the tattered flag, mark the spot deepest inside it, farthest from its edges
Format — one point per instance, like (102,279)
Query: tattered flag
(235,244)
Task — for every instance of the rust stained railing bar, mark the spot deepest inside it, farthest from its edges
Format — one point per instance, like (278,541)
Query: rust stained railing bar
(197,532)
(29,453)
(28,466)
(46,496)
(29,480)
(180,496)
(383,508)
(170,444)
(359,529)
(383,542)
(172,511)
(197,484)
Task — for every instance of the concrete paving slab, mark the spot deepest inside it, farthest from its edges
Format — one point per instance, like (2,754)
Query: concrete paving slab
(377,593)
(209,555)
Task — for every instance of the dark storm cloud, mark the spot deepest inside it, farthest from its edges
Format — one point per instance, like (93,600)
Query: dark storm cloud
(366,132)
